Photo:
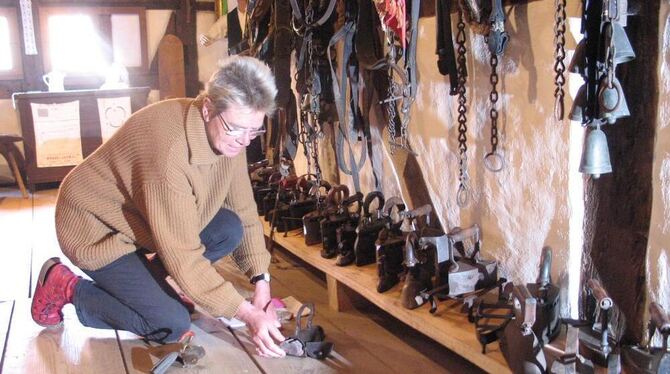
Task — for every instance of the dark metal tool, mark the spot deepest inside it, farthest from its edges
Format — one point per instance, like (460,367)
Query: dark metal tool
(468,243)
(188,356)
(649,359)
(520,347)
(547,323)
(595,342)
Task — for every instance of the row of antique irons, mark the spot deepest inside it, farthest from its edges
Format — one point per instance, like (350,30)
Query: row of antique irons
(402,244)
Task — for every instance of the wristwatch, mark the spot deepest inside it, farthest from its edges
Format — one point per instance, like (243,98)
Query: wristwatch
(260,277)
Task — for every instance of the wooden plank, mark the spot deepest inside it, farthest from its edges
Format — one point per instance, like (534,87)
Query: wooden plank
(360,344)
(224,354)
(337,298)
(16,234)
(5,318)
(448,327)
(171,79)
(70,349)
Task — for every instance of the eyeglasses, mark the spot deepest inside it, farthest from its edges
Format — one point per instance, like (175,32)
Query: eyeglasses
(236,132)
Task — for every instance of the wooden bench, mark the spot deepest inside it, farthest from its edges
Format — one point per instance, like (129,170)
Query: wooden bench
(11,153)
(448,326)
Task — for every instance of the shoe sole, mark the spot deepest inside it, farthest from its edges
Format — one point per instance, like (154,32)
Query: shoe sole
(46,267)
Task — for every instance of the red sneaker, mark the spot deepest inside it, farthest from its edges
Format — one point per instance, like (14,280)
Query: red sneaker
(54,289)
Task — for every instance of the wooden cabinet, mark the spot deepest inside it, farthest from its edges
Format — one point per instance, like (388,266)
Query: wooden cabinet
(89,124)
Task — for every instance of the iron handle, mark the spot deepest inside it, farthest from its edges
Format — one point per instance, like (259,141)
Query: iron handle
(544,278)
(659,318)
(458,234)
(604,300)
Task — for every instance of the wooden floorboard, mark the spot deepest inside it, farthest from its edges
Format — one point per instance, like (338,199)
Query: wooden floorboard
(5,318)
(224,354)
(70,349)
(361,345)
(15,244)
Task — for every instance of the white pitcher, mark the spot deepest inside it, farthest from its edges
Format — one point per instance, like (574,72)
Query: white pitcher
(54,80)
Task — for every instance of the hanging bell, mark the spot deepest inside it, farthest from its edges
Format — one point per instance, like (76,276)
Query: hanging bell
(623,50)
(579,105)
(578,61)
(596,155)
(612,103)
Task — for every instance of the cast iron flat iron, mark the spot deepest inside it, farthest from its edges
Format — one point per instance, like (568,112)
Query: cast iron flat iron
(595,341)
(491,318)
(468,243)
(547,321)
(307,341)
(520,347)
(570,362)
(650,360)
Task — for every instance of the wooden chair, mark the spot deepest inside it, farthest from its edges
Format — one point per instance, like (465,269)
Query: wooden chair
(10,152)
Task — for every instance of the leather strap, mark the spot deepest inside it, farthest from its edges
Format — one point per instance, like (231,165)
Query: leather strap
(446,58)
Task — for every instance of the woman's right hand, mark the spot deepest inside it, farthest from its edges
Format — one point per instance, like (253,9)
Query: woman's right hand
(263,328)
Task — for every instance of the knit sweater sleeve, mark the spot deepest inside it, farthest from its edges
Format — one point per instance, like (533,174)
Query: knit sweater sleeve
(252,256)
(173,219)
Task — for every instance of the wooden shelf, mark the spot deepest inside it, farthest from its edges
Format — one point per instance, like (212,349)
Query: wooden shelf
(448,326)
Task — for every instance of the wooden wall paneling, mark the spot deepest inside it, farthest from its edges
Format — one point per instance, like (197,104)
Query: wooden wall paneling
(186,31)
(71,349)
(618,205)
(17,241)
(32,64)
(224,354)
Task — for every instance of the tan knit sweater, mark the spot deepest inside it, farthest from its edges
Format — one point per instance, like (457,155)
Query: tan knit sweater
(156,184)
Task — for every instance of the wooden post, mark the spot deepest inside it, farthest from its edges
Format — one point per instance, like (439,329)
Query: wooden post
(618,205)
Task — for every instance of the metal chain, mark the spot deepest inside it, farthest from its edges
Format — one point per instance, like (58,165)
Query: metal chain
(494,102)
(391,92)
(559,54)
(462,197)
(493,160)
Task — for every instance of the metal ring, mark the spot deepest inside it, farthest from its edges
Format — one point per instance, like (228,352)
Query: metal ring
(604,86)
(462,197)
(491,159)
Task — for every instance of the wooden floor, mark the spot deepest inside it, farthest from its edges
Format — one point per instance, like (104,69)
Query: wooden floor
(367,340)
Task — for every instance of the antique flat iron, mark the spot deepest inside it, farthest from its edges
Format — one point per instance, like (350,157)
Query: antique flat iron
(595,341)
(520,347)
(649,359)
(547,322)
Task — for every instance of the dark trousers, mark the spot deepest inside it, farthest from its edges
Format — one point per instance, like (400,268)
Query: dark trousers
(129,294)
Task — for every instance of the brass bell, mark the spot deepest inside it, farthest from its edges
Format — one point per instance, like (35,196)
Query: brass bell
(578,61)
(578,105)
(612,103)
(596,155)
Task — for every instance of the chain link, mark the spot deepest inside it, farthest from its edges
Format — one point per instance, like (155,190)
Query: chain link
(559,54)
(462,195)
(391,92)
(494,102)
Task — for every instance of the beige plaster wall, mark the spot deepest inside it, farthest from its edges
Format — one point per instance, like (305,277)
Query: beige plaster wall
(527,205)
(658,254)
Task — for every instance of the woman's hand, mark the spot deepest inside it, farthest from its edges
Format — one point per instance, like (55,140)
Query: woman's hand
(264,329)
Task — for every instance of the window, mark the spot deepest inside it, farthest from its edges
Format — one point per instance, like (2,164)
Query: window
(85,42)
(10,45)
